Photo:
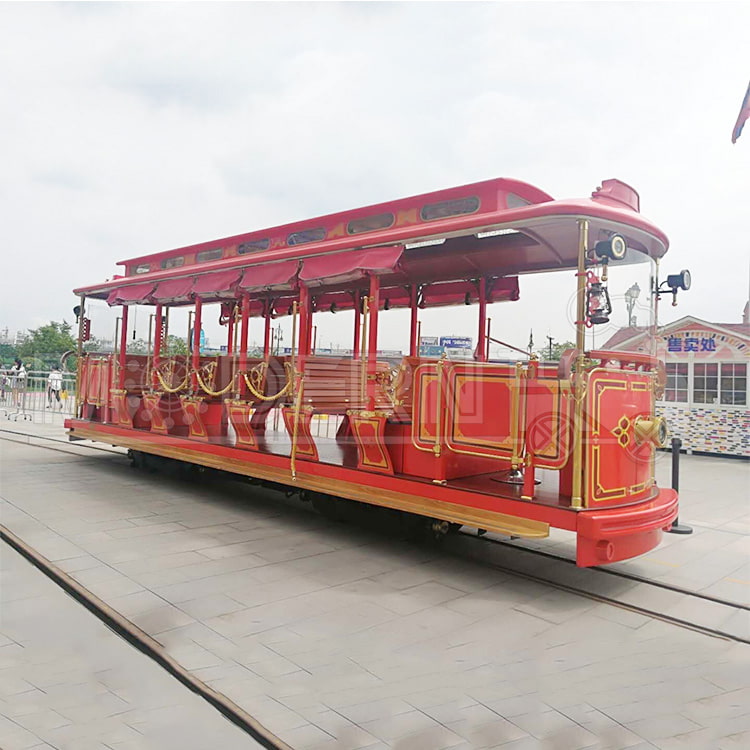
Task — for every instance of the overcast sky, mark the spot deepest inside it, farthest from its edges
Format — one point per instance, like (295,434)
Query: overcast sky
(134,128)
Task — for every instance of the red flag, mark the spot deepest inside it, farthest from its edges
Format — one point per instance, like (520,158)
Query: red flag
(743,115)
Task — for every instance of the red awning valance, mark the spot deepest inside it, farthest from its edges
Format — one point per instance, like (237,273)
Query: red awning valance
(130,295)
(442,294)
(174,290)
(338,268)
(268,277)
(504,289)
(217,285)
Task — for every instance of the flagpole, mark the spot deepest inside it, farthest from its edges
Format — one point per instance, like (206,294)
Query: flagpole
(742,116)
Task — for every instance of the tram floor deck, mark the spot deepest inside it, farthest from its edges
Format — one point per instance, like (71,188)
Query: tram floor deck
(335,635)
(343,453)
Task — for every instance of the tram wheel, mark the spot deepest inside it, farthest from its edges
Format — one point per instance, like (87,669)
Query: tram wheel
(328,507)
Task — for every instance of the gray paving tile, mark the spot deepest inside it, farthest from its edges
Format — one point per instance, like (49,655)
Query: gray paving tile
(302,622)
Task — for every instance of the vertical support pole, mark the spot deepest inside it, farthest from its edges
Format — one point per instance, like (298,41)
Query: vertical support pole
(244,335)
(677,527)
(158,334)
(413,330)
(372,343)
(79,358)
(482,336)
(583,241)
(357,324)
(123,348)
(267,329)
(363,350)
(654,308)
(576,500)
(305,324)
(196,360)
(230,331)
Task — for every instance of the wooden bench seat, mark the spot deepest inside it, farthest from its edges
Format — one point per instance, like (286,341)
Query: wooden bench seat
(334,385)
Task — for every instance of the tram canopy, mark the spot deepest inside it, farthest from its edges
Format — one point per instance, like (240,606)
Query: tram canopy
(217,285)
(269,277)
(173,290)
(130,295)
(492,229)
(339,268)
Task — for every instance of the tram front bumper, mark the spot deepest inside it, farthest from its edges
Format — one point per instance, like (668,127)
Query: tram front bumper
(613,534)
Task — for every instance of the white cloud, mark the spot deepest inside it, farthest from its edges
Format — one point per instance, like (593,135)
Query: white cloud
(132,128)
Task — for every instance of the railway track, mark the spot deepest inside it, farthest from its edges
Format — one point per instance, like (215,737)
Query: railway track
(686,608)
(678,606)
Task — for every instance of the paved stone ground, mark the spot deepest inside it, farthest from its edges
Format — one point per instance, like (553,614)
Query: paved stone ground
(66,681)
(340,636)
(715,502)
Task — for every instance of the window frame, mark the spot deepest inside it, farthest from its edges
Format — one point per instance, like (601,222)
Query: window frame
(699,384)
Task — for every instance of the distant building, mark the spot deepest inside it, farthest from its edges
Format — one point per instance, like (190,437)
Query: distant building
(705,400)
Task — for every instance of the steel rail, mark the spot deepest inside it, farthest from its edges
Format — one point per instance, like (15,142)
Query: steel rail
(617,573)
(144,643)
(680,622)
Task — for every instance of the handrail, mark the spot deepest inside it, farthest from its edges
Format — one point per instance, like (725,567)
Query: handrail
(170,370)
(637,358)
(530,355)
(210,369)
(256,374)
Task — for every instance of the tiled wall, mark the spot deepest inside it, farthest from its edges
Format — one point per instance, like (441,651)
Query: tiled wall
(712,430)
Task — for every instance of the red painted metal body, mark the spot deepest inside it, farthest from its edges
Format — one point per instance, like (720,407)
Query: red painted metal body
(442,439)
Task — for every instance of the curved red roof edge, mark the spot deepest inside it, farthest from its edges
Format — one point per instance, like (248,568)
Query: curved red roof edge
(603,205)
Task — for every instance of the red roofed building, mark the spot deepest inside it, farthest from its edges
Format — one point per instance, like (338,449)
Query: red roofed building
(705,400)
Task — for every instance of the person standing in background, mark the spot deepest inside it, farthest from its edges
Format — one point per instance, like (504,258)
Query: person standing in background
(54,386)
(17,381)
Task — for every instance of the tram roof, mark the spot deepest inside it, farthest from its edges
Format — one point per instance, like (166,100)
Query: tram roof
(496,228)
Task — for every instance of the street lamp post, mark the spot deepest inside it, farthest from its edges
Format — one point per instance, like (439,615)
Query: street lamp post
(631,296)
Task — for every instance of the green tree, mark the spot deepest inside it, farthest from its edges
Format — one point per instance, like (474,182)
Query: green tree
(8,353)
(174,345)
(139,346)
(48,342)
(557,351)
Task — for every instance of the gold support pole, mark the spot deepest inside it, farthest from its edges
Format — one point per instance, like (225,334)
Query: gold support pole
(298,380)
(576,500)
(294,333)
(583,241)
(515,418)
(438,447)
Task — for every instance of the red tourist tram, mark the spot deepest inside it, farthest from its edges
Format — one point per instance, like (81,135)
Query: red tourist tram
(514,447)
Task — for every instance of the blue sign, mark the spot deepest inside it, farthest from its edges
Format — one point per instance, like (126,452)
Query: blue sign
(202,344)
(456,342)
(690,344)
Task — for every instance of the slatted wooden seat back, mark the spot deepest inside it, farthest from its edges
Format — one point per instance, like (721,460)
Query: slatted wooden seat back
(333,385)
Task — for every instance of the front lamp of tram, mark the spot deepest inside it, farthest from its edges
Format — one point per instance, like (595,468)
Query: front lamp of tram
(612,249)
(651,430)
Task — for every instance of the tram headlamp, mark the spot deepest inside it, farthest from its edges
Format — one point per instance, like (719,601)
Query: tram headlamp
(651,429)
(679,280)
(613,249)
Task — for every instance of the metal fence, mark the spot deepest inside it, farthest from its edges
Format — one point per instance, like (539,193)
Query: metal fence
(30,398)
